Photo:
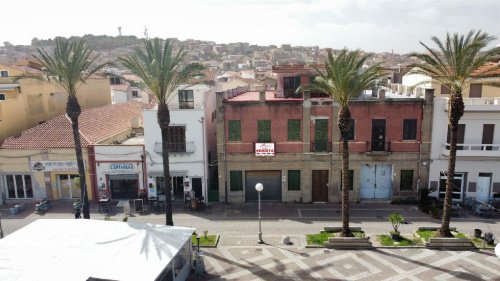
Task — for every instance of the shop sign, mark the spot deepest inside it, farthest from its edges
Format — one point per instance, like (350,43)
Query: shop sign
(121,166)
(47,166)
(264,149)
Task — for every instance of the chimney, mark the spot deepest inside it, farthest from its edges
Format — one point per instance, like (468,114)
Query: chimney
(381,95)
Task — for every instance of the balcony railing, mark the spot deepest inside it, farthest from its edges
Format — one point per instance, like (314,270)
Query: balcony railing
(321,146)
(378,146)
(187,147)
(479,104)
(473,149)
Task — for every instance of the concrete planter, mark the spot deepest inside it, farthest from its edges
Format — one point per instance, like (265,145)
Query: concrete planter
(450,244)
(348,243)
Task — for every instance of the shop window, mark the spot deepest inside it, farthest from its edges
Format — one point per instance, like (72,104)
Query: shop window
(234,130)
(406,180)
(293,180)
(294,129)
(236,180)
(19,186)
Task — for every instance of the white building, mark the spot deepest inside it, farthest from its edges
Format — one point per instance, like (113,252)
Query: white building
(192,140)
(477,171)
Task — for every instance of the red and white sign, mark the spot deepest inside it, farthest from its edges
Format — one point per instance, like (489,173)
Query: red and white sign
(264,149)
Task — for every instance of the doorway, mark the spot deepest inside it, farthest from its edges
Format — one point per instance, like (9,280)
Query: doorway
(378,135)
(69,186)
(483,187)
(320,185)
(124,186)
(375,181)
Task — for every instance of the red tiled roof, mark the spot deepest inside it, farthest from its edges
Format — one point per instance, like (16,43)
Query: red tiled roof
(96,125)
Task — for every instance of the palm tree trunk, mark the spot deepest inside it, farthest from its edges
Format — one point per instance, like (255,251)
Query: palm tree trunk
(343,123)
(73,110)
(455,109)
(164,122)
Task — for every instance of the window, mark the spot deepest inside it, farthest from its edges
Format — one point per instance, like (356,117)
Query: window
(351,180)
(476,90)
(352,130)
(293,129)
(488,133)
(460,136)
(290,84)
(186,99)
(264,130)
(293,180)
(4,73)
(236,180)
(410,129)
(135,93)
(2,96)
(321,135)
(445,90)
(19,186)
(177,139)
(234,130)
(114,80)
(406,181)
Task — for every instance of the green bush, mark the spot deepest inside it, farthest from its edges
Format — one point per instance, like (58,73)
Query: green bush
(396,220)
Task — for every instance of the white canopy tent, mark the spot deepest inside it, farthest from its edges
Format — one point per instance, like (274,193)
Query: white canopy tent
(50,249)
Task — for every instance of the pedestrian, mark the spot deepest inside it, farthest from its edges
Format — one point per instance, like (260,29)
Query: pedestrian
(77,213)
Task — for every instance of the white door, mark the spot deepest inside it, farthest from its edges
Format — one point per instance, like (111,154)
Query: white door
(483,188)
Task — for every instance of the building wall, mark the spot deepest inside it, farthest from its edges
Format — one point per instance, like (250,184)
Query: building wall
(17,161)
(41,101)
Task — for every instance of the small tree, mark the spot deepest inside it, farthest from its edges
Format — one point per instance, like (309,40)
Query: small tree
(396,220)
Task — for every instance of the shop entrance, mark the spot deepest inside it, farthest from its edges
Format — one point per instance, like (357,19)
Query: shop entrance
(69,186)
(123,186)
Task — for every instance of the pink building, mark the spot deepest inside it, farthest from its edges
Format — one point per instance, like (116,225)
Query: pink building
(290,143)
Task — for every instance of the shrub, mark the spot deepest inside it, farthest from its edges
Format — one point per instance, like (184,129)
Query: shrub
(396,220)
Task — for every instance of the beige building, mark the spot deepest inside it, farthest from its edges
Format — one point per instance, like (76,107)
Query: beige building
(26,103)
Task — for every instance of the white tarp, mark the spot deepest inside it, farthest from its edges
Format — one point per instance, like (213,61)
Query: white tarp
(50,249)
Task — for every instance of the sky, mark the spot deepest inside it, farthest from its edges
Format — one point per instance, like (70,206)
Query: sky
(370,25)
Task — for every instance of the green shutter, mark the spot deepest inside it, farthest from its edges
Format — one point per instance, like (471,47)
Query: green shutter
(321,135)
(293,179)
(236,180)
(234,130)
(264,130)
(293,129)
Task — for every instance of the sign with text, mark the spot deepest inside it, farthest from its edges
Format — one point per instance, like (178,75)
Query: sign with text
(121,166)
(47,166)
(264,149)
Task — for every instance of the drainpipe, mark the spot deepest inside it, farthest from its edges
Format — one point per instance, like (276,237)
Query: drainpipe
(144,171)
(203,123)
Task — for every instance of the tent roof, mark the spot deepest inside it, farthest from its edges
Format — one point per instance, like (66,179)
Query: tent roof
(70,249)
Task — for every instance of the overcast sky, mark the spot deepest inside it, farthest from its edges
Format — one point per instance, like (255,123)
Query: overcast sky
(371,25)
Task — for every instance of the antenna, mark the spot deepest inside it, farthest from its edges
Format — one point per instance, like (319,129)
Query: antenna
(119,31)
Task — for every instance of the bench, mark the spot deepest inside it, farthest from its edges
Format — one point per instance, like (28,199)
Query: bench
(450,244)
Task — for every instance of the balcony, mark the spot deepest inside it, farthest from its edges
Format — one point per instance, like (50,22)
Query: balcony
(321,146)
(467,149)
(177,148)
(378,147)
(479,104)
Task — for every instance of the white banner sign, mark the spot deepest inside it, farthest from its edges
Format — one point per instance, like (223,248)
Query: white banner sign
(264,149)
(47,166)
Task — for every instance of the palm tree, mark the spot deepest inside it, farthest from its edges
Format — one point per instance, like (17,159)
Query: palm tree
(344,79)
(162,72)
(69,66)
(454,64)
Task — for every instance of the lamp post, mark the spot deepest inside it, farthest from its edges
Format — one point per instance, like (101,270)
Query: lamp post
(259,187)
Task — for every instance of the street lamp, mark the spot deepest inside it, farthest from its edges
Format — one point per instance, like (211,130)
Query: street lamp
(259,187)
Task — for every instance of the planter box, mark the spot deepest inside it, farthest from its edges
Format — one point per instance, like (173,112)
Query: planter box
(450,244)
(434,228)
(339,228)
(348,243)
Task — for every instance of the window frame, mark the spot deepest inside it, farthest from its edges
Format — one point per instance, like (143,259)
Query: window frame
(16,189)
(186,99)
(295,184)
(351,133)
(294,130)
(290,85)
(405,181)
(2,73)
(409,129)
(264,131)
(236,184)
(177,139)
(233,135)
(445,90)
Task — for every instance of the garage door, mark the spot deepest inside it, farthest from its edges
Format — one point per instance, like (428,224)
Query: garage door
(271,181)
(375,181)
